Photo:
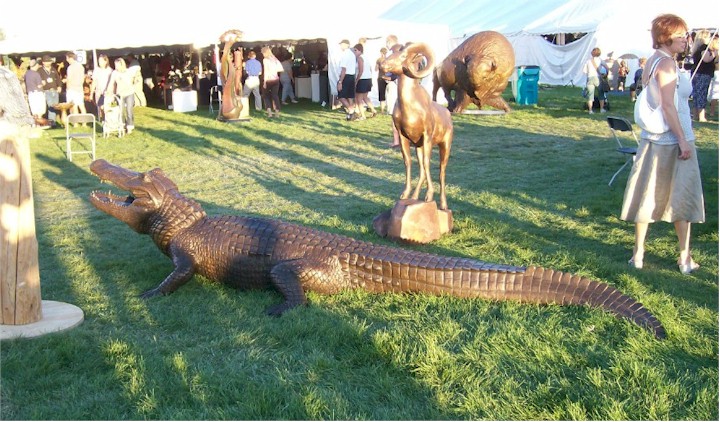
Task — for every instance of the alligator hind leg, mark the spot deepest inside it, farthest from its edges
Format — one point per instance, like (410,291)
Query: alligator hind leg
(292,278)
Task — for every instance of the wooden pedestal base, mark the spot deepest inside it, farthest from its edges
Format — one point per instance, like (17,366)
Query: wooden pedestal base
(56,316)
(413,221)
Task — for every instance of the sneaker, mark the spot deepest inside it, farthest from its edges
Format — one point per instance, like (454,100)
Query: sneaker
(591,112)
(294,101)
(602,110)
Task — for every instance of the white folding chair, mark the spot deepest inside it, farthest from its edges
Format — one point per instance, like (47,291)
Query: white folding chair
(215,91)
(619,124)
(80,126)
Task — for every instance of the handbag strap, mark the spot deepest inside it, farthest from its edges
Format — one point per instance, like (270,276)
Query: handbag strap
(652,71)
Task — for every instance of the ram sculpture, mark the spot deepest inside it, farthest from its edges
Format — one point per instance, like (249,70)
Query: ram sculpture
(418,119)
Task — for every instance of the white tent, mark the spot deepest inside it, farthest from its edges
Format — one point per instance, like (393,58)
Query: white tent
(138,25)
(617,26)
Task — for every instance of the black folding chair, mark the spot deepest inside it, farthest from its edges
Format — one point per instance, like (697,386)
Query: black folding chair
(617,125)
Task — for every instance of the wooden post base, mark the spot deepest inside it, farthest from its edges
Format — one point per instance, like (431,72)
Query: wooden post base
(414,221)
(56,316)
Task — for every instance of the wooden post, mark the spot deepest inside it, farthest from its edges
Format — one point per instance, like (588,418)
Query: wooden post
(19,271)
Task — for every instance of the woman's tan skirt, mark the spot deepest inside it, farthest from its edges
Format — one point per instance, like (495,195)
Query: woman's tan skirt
(662,187)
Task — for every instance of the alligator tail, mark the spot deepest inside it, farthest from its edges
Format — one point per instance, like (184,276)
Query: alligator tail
(394,270)
(542,285)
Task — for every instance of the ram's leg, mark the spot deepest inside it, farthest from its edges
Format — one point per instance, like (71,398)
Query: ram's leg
(444,149)
(423,166)
(405,149)
(426,155)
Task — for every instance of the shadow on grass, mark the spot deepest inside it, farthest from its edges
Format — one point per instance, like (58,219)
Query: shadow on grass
(168,358)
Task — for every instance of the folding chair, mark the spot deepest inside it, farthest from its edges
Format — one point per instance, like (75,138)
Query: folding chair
(619,124)
(80,126)
(215,91)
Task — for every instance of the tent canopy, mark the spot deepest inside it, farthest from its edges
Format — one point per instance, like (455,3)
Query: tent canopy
(617,26)
(137,24)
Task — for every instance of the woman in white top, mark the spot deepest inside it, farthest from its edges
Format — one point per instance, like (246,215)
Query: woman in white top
(590,70)
(664,183)
(101,82)
(271,83)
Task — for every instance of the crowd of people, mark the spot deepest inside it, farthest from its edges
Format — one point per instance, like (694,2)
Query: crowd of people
(52,85)
(700,59)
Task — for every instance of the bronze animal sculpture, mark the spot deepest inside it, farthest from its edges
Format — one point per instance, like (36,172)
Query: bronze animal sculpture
(478,70)
(249,252)
(231,76)
(419,121)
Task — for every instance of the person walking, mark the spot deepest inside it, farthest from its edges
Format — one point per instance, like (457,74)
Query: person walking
(704,59)
(286,80)
(74,80)
(381,80)
(253,70)
(346,80)
(101,82)
(664,183)
(271,82)
(593,71)
(33,87)
(363,84)
(121,84)
(52,85)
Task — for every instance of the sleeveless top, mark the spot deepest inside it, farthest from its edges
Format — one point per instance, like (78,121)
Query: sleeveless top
(683,90)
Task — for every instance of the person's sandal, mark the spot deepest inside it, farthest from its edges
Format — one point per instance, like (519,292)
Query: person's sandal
(635,264)
(689,267)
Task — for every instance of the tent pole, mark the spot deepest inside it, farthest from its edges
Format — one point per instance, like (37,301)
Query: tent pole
(200,69)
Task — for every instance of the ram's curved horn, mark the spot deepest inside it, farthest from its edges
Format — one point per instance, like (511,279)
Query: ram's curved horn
(414,66)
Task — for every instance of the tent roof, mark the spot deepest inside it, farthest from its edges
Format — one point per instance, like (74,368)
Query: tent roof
(466,17)
(142,23)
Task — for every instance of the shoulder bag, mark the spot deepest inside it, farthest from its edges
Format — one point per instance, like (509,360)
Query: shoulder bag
(648,118)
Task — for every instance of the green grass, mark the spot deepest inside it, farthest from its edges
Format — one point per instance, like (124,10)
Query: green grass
(528,188)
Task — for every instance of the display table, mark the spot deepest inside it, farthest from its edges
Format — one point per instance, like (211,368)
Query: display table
(184,101)
(303,87)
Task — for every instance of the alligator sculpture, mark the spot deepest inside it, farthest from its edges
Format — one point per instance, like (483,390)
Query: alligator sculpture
(250,252)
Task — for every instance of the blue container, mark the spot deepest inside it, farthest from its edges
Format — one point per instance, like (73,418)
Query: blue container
(527,84)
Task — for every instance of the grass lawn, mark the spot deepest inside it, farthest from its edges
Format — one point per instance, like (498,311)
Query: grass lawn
(527,188)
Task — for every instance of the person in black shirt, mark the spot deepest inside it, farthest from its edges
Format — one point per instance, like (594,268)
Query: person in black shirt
(704,59)
(51,82)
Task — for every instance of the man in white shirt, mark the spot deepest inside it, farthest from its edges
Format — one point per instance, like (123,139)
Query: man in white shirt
(346,80)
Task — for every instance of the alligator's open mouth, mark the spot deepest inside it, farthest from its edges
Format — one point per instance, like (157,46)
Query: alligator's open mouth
(109,198)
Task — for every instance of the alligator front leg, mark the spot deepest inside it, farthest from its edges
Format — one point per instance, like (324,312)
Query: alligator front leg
(183,272)
(319,273)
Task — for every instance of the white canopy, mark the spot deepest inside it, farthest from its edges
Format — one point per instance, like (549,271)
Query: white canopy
(618,26)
